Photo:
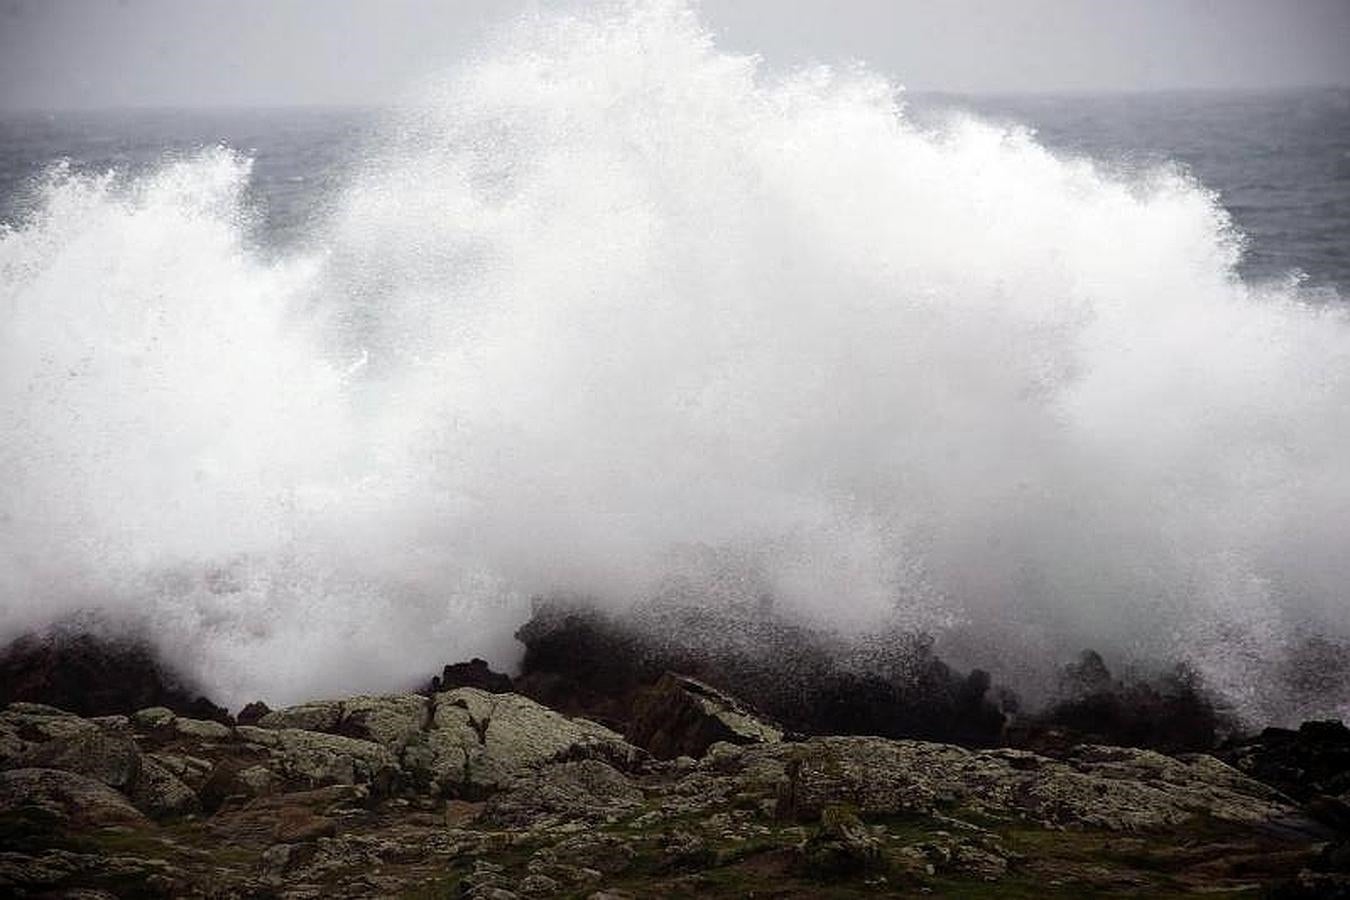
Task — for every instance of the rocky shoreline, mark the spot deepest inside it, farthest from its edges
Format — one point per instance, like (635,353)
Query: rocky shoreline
(468,793)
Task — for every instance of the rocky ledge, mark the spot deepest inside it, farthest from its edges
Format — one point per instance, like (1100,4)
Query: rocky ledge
(466,793)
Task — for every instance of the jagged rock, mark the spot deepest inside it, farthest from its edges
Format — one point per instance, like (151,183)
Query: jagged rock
(681,716)
(588,790)
(159,793)
(80,801)
(94,674)
(841,846)
(480,742)
(475,674)
(1303,763)
(252,713)
(23,725)
(113,724)
(569,807)
(313,759)
(190,770)
(1101,787)
(390,720)
(1172,712)
(891,683)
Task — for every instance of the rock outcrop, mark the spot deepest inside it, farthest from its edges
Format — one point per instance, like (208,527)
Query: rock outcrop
(681,716)
(478,794)
(92,675)
(891,683)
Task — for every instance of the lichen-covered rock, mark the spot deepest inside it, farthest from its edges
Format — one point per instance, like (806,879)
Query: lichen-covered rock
(588,790)
(681,716)
(319,715)
(252,713)
(190,770)
(258,781)
(313,759)
(160,794)
(567,807)
(480,742)
(1112,788)
(391,720)
(153,718)
(78,800)
(24,724)
(842,845)
(201,729)
(111,758)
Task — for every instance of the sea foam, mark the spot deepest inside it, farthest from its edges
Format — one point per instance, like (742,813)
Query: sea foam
(607,308)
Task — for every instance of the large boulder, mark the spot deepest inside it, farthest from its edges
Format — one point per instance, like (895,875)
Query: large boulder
(161,794)
(317,715)
(43,737)
(113,759)
(76,800)
(312,759)
(391,720)
(479,742)
(681,716)
(475,673)
(1306,762)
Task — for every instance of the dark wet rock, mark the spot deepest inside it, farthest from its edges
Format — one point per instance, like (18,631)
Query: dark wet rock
(475,673)
(891,683)
(93,675)
(1312,886)
(1305,763)
(681,716)
(252,713)
(1173,712)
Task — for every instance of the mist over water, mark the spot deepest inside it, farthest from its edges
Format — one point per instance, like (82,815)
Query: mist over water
(611,312)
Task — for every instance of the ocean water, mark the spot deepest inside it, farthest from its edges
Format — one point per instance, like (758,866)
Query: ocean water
(1278,160)
(319,399)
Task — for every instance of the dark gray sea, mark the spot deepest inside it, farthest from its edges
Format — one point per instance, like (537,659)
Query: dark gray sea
(1280,161)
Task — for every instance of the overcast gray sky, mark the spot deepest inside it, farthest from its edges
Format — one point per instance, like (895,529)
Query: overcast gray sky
(92,53)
